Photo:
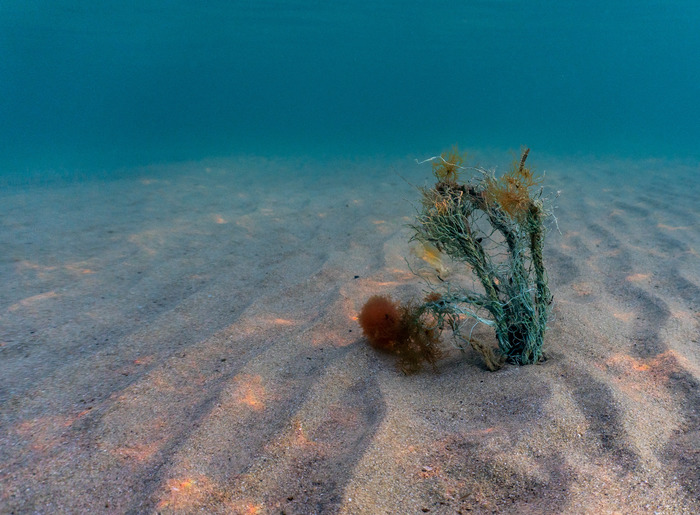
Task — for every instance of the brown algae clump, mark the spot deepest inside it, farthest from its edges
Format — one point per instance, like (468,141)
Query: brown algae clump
(400,329)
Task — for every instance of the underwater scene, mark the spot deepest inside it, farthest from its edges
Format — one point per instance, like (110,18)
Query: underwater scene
(265,257)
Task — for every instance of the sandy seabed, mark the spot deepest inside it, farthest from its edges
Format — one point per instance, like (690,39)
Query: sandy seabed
(184,339)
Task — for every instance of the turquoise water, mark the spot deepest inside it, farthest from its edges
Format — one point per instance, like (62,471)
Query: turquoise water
(104,85)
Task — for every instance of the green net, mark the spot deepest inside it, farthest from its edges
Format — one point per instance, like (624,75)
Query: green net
(494,226)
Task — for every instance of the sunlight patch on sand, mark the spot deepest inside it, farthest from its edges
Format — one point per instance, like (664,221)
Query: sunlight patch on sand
(245,221)
(265,323)
(403,275)
(142,440)
(220,219)
(582,289)
(379,285)
(162,382)
(138,452)
(250,391)
(148,241)
(624,316)
(568,236)
(330,338)
(145,360)
(186,493)
(283,321)
(298,437)
(641,378)
(41,270)
(383,226)
(246,508)
(79,270)
(31,301)
(635,278)
(673,228)
(685,316)
(44,433)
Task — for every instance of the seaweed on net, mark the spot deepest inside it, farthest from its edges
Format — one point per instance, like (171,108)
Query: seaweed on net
(495,226)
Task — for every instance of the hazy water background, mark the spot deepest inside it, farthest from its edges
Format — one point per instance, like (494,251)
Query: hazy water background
(98,85)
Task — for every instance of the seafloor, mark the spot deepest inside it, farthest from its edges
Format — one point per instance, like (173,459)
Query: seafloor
(183,339)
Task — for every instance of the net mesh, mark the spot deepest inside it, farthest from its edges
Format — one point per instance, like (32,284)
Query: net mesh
(494,226)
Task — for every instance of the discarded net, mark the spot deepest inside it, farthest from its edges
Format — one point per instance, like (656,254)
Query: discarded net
(495,227)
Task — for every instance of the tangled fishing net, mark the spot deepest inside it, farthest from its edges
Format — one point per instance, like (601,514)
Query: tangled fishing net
(494,226)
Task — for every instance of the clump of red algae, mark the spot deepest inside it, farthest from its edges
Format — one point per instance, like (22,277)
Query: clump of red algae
(401,330)
(380,320)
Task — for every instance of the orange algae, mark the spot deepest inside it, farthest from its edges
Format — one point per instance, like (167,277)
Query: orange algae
(446,169)
(511,191)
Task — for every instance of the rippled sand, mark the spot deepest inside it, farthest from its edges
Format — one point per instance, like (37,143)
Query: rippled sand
(184,339)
